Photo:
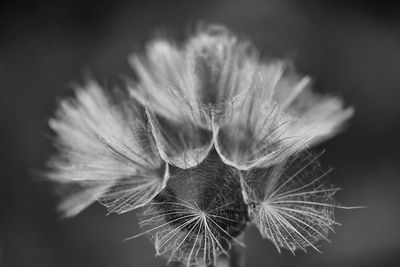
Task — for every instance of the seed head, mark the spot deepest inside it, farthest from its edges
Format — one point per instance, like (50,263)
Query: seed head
(208,139)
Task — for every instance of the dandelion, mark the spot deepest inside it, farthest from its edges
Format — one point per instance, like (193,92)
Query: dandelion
(208,139)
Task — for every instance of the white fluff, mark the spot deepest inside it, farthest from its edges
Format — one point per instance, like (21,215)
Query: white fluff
(290,203)
(259,113)
(210,97)
(104,146)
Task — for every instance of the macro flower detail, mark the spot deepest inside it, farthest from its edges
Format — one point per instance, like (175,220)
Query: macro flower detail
(108,150)
(208,139)
(199,214)
(292,205)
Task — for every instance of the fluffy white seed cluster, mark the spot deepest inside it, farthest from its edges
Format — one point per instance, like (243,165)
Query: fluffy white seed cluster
(199,213)
(208,138)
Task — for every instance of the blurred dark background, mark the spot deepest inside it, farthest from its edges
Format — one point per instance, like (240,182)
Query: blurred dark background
(351,48)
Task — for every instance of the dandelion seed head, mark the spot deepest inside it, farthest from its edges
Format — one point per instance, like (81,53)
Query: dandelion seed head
(209,138)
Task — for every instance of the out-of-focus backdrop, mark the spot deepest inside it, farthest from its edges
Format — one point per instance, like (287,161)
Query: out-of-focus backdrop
(351,48)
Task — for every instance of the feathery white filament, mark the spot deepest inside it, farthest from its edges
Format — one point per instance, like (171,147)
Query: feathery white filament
(199,213)
(104,147)
(195,240)
(290,203)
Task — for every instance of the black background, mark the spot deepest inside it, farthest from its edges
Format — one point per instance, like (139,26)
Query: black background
(352,49)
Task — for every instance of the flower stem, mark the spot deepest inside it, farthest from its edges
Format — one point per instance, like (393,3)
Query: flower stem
(236,256)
